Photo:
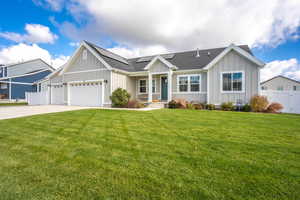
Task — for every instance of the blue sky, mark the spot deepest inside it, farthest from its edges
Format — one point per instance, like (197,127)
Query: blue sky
(52,29)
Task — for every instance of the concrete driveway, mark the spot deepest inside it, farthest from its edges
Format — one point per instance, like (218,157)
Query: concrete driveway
(8,112)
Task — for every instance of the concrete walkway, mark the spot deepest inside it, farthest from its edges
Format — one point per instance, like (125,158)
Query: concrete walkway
(9,112)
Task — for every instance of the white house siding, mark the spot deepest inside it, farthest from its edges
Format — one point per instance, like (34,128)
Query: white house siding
(90,63)
(95,75)
(44,86)
(26,67)
(56,79)
(233,62)
(286,84)
(158,67)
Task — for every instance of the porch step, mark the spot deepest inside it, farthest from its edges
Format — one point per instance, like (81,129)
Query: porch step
(157,105)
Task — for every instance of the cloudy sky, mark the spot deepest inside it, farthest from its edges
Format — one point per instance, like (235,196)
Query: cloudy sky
(52,29)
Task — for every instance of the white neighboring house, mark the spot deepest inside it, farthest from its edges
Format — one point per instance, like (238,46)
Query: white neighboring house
(208,76)
(280,83)
(283,90)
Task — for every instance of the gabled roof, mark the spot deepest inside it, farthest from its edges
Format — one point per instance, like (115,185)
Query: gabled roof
(180,60)
(28,61)
(160,58)
(280,76)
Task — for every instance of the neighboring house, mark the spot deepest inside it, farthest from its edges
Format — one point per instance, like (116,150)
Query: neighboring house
(16,79)
(209,76)
(281,83)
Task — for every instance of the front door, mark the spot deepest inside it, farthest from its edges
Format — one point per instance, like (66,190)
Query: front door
(164,88)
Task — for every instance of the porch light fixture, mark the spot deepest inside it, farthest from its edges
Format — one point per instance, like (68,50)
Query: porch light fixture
(105,81)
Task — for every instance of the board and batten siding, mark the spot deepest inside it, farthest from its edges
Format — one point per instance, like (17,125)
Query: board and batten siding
(90,63)
(190,96)
(233,62)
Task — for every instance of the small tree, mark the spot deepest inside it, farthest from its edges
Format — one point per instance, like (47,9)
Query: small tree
(259,103)
(120,98)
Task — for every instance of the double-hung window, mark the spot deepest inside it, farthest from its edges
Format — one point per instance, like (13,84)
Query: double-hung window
(232,81)
(142,86)
(189,83)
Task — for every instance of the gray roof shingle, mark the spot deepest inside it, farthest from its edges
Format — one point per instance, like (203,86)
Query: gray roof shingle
(183,60)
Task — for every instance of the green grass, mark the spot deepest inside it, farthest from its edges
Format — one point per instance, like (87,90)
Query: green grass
(14,104)
(162,154)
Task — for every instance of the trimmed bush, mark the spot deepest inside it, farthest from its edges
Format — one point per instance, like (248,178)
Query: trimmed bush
(259,103)
(274,108)
(135,104)
(228,106)
(173,104)
(210,107)
(246,108)
(120,98)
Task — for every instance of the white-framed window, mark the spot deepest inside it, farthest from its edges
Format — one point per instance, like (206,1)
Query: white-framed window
(3,86)
(153,85)
(84,54)
(142,86)
(189,83)
(232,82)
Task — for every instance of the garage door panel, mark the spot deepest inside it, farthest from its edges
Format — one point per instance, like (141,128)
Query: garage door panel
(86,94)
(57,95)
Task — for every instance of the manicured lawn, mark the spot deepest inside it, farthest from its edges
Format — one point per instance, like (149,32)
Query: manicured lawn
(162,154)
(14,104)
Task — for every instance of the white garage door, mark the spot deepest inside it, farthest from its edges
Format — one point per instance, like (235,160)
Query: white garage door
(57,94)
(86,94)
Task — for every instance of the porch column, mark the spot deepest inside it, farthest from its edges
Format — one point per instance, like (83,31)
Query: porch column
(149,87)
(170,85)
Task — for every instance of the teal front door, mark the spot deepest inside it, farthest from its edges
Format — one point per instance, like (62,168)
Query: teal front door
(164,88)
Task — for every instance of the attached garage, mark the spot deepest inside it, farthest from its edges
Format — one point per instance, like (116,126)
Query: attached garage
(57,94)
(88,93)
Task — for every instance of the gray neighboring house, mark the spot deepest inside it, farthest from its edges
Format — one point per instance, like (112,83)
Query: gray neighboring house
(209,76)
(280,83)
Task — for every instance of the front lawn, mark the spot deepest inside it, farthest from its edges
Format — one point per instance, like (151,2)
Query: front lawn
(162,154)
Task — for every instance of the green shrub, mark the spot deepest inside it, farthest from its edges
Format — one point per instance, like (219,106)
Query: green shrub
(246,108)
(173,104)
(228,106)
(120,98)
(259,103)
(210,107)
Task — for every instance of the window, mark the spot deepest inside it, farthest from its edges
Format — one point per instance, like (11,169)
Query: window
(280,88)
(188,83)
(232,81)
(183,84)
(3,86)
(294,87)
(142,86)
(153,85)
(84,54)
(195,83)
(3,71)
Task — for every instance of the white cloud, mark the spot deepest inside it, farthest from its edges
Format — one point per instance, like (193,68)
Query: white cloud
(289,68)
(36,33)
(22,52)
(181,25)
(55,5)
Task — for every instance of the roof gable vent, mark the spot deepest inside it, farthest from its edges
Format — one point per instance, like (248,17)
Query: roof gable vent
(198,53)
